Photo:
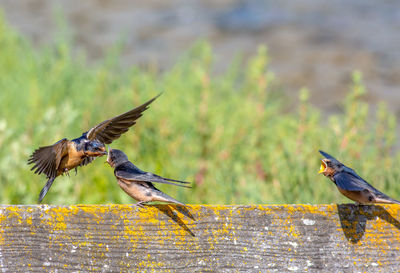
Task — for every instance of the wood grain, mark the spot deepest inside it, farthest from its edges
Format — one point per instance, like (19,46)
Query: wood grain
(166,238)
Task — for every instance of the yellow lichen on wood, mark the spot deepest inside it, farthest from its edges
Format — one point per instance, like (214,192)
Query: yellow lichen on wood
(169,238)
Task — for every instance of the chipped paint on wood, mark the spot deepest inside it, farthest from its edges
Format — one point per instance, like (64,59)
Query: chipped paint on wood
(167,238)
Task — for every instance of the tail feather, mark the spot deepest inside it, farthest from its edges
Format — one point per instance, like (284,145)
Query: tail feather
(46,188)
(158,179)
(179,185)
(387,200)
(178,181)
(162,197)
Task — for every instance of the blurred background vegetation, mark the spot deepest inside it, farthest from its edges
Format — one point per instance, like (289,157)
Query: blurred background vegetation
(235,135)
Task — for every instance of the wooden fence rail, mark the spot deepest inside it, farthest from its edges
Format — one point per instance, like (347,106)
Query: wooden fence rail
(198,238)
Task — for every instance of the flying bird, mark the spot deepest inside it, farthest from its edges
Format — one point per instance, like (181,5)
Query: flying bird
(350,184)
(65,155)
(137,183)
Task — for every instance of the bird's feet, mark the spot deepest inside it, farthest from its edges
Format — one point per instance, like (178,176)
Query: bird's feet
(140,204)
(357,206)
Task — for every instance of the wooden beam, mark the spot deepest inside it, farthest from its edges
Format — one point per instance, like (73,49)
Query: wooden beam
(200,238)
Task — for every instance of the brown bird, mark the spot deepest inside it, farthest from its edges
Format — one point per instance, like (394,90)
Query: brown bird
(350,184)
(137,183)
(65,155)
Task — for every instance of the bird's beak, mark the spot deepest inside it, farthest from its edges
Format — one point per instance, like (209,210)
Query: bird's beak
(323,166)
(108,155)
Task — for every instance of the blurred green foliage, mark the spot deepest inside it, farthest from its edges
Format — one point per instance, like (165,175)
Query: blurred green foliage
(234,135)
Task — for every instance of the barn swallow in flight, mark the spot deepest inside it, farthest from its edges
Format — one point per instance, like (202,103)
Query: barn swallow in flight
(137,183)
(350,184)
(65,155)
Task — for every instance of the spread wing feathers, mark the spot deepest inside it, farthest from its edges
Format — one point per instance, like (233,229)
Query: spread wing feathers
(132,175)
(111,129)
(47,159)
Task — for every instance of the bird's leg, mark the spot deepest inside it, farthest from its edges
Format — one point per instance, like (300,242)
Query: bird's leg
(140,204)
(66,171)
(76,171)
(357,205)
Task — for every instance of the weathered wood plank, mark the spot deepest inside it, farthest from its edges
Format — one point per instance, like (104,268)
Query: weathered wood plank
(276,238)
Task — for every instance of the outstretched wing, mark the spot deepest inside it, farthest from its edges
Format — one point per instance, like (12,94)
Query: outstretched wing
(47,159)
(113,128)
(137,175)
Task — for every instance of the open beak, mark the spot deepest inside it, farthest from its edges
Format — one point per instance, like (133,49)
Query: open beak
(323,166)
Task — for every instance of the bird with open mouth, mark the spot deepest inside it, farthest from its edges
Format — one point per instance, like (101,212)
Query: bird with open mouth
(350,184)
(65,155)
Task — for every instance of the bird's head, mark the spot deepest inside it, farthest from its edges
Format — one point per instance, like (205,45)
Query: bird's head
(94,148)
(116,157)
(330,166)
(326,167)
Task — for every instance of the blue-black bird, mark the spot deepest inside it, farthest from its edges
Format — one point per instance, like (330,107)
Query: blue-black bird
(350,184)
(65,155)
(137,183)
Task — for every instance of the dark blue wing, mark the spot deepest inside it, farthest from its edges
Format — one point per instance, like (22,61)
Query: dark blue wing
(130,172)
(350,182)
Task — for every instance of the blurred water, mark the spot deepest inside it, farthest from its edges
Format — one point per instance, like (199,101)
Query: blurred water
(312,43)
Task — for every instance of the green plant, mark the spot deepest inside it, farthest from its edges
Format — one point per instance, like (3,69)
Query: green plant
(230,134)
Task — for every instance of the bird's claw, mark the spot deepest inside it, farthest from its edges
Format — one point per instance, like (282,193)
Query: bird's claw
(140,204)
(66,171)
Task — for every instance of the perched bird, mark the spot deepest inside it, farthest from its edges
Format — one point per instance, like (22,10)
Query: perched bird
(137,183)
(350,184)
(65,155)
